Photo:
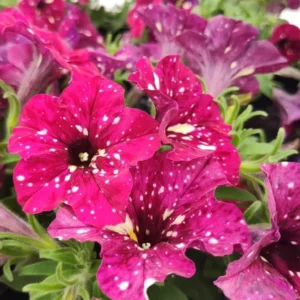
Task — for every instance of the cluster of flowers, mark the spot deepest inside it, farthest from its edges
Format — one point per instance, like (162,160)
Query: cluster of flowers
(100,162)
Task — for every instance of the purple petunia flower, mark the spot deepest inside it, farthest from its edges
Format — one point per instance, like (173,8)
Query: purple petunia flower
(289,105)
(78,149)
(27,63)
(189,120)
(168,22)
(228,54)
(171,209)
(270,269)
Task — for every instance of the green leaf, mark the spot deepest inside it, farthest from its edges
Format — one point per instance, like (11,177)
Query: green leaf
(40,268)
(61,277)
(97,292)
(84,294)
(9,159)
(42,287)
(41,232)
(7,271)
(232,193)
(266,84)
(255,148)
(65,255)
(257,213)
(8,3)
(13,108)
(167,291)
(20,281)
(25,239)
(16,248)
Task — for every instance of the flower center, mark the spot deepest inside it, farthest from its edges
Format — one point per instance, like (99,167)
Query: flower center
(81,152)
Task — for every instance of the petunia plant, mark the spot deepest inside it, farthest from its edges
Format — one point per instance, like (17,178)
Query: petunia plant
(149,150)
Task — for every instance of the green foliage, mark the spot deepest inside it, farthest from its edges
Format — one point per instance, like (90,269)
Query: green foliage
(253,12)
(110,22)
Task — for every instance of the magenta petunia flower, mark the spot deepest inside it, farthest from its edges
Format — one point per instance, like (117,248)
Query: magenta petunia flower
(228,54)
(270,269)
(168,22)
(287,39)
(26,61)
(45,14)
(289,105)
(294,4)
(171,209)
(190,121)
(72,24)
(78,149)
(135,24)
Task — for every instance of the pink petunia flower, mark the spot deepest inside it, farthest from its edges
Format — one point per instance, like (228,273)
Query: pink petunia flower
(270,269)
(190,121)
(78,149)
(228,54)
(171,209)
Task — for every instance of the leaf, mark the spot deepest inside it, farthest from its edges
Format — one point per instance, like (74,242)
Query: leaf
(257,213)
(84,294)
(232,193)
(40,268)
(255,149)
(61,277)
(9,159)
(167,291)
(15,248)
(8,3)
(41,232)
(42,287)
(266,84)
(20,281)
(7,271)
(65,255)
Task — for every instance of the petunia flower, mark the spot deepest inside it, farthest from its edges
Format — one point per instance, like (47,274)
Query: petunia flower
(228,54)
(45,14)
(270,269)
(26,62)
(190,121)
(124,59)
(9,222)
(78,149)
(137,22)
(168,22)
(72,24)
(287,39)
(289,105)
(293,4)
(171,209)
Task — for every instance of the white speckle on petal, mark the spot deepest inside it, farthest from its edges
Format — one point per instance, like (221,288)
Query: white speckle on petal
(20,178)
(213,241)
(123,285)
